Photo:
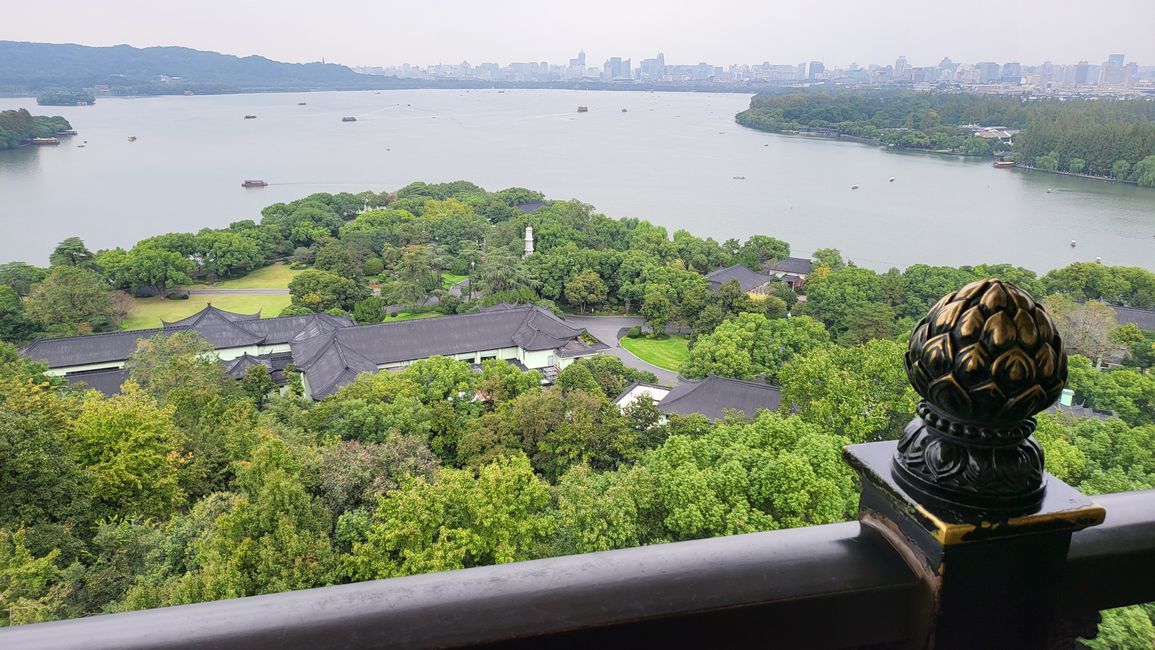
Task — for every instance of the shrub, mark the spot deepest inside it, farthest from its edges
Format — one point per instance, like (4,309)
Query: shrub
(635,332)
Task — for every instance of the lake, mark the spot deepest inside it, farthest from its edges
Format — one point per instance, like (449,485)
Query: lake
(671,158)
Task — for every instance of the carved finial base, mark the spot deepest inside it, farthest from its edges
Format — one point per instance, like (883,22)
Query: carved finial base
(970,467)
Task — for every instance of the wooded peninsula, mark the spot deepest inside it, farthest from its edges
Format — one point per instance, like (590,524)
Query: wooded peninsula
(1097,137)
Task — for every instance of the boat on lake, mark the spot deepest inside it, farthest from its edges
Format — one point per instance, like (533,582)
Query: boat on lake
(1004,164)
(250,117)
(739,178)
(44,141)
(66,132)
(132,138)
(300,103)
(348,118)
(583,109)
(853,187)
(254,183)
(624,110)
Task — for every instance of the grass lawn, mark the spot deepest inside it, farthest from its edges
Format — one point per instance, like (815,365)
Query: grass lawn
(668,353)
(148,312)
(449,279)
(274,276)
(408,315)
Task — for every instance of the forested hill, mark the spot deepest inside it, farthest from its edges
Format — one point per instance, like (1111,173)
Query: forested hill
(30,68)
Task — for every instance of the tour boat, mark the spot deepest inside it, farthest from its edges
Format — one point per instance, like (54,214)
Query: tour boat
(348,118)
(254,183)
(300,103)
(1072,243)
(891,179)
(44,141)
(1004,164)
(250,117)
(853,187)
(583,109)
(739,178)
(132,138)
(624,110)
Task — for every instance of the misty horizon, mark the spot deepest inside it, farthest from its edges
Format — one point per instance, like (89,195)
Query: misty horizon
(364,34)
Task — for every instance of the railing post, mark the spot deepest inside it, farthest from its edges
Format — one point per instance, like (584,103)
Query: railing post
(963,495)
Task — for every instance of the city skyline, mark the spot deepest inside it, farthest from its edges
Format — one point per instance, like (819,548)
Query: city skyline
(358,33)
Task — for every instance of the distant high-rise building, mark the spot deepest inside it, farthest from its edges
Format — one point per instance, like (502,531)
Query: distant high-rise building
(653,69)
(1082,71)
(1112,73)
(988,72)
(616,68)
(1012,73)
(900,67)
(816,68)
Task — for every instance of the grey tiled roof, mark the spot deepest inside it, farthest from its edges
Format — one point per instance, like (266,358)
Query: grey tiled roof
(1144,319)
(332,359)
(90,349)
(714,395)
(795,265)
(221,328)
(747,279)
(105,381)
(209,309)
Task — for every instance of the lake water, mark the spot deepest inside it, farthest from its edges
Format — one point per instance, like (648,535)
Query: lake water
(671,159)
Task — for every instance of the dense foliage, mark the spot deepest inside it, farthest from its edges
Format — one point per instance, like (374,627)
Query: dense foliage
(17,127)
(191,485)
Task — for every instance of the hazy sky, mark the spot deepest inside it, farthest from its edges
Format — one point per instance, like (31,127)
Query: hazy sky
(388,32)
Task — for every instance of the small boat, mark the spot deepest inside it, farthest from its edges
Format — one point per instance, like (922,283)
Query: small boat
(1004,164)
(254,183)
(250,117)
(81,145)
(624,110)
(66,132)
(739,178)
(891,179)
(300,103)
(132,138)
(583,109)
(44,141)
(1049,190)
(853,187)
(348,118)
(1072,243)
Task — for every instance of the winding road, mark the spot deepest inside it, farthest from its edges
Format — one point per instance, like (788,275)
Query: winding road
(608,330)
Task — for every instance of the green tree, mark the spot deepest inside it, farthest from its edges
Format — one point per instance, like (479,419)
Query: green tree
(21,276)
(155,268)
(31,590)
(321,290)
(131,451)
(14,325)
(71,252)
(73,300)
(657,309)
(368,311)
(1121,169)
(1076,165)
(860,392)
(752,345)
(760,249)
(257,384)
(495,515)
(585,288)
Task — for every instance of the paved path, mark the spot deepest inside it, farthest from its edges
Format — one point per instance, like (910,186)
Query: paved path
(251,292)
(607,329)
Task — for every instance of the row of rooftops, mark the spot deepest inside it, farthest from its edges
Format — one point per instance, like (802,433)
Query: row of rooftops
(332,350)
